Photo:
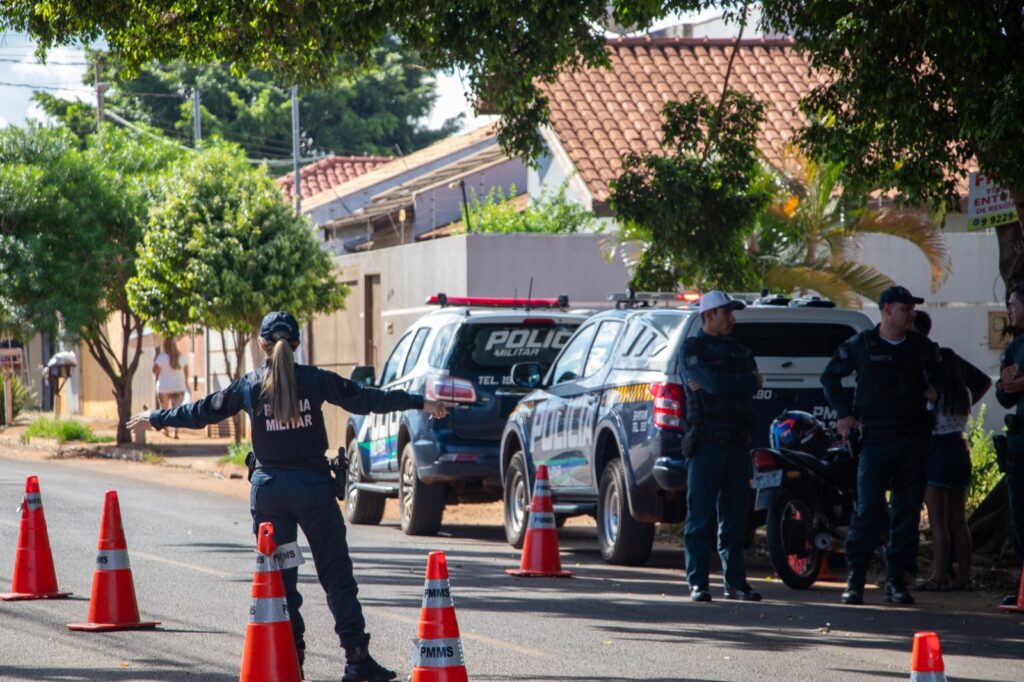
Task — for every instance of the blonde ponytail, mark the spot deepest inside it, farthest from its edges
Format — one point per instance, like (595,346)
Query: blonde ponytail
(280,389)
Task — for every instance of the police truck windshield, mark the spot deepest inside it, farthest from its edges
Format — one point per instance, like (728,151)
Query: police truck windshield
(488,347)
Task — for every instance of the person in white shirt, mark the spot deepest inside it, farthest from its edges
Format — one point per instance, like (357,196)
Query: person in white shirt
(171,370)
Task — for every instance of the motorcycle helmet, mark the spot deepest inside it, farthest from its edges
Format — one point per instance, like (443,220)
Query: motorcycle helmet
(796,430)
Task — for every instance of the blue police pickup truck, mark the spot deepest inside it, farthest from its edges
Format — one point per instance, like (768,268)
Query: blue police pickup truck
(607,418)
(463,354)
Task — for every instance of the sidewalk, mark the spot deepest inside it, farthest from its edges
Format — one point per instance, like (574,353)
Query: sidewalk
(192,449)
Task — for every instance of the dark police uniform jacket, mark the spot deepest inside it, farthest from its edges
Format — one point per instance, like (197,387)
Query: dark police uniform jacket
(891,380)
(725,371)
(298,444)
(1013,355)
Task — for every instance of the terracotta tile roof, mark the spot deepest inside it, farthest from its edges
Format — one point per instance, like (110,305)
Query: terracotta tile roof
(324,174)
(600,114)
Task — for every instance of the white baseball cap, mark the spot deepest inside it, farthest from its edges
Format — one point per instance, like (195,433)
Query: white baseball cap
(719,299)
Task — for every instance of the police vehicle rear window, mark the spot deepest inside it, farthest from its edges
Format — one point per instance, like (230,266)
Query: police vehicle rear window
(782,339)
(485,347)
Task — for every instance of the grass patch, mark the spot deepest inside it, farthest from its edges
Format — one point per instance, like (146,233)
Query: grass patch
(62,431)
(150,457)
(236,453)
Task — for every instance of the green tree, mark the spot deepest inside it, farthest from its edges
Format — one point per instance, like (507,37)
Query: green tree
(694,204)
(808,241)
(221,250)
(916,93)
(505,49)
(551,213)
(370,113)
(70,221)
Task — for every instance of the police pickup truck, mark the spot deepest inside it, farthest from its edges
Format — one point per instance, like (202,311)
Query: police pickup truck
(462,354)
(608,417)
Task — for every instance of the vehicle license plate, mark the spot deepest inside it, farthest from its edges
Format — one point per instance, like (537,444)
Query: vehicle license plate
(767,479)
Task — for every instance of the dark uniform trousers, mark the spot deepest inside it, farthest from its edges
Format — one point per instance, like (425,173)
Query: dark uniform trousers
(896,460)
(717,478)
(305,499)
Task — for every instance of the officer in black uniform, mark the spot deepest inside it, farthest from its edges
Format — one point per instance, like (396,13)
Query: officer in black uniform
(292,484)
(721,379)
(893,365)
(1010,394)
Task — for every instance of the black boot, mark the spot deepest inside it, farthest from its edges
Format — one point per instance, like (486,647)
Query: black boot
(854,592)
(896,592)
(360,666)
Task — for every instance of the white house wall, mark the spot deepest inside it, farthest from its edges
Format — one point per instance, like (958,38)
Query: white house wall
(442,205)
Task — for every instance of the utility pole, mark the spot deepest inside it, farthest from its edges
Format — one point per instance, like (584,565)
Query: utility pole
(101,88)
(295,149)
(196,118)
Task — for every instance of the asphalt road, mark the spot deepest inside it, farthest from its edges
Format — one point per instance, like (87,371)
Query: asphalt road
(192,560)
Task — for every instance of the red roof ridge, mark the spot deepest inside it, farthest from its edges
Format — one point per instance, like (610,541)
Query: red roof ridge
(699,42)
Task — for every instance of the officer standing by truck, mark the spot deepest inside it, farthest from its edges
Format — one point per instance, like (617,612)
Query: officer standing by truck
(893,365)
(1010,394)
(721,379)
(291,483)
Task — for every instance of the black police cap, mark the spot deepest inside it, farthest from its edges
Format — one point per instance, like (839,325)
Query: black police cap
(279,325)
(898,294)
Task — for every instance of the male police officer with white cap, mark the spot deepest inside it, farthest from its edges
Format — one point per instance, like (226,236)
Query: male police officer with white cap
(721,379)
(893,365)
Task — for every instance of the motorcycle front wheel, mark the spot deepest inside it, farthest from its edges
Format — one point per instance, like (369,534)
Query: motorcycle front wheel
(790,536)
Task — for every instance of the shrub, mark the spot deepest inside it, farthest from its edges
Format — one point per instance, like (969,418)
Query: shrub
(983,461)
(237,453)
(62,431)
(21,397)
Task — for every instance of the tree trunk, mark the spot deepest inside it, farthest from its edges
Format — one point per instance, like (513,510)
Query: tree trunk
(119,365)
(123,397)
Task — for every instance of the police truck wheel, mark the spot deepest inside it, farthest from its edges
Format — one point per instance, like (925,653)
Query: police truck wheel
(361,507)
(790,538)
(624,540)
(420,505)
(517,500)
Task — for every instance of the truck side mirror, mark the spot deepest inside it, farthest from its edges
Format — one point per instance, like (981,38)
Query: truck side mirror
(364,375)
(527,374)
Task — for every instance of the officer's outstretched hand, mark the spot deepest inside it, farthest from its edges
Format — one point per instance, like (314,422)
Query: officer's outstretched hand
(436,408)
(139,422)
(694,386)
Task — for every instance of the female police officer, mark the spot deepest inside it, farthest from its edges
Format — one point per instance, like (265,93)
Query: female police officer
(292,484)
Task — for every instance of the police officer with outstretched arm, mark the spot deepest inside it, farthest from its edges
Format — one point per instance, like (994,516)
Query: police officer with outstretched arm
(721,379)
(292,485)
(893,365)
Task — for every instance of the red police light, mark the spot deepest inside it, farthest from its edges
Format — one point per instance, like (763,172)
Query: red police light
(497,302)
(689,296)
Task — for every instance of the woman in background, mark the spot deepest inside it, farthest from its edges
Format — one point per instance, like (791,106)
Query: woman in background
(171,370)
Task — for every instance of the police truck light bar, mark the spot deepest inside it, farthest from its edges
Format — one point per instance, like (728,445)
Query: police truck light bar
(493,302)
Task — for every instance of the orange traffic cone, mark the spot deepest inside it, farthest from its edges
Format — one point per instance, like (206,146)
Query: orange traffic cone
(112,605)
(540,548)
(926,660)
(1019,606)
(438,647)
(269,654)
(34,577)
(824,573)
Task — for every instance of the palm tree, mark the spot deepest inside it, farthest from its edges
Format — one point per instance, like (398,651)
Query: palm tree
(810,241)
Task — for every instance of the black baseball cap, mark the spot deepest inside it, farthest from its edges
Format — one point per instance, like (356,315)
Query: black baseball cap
(898,294)
(279,325)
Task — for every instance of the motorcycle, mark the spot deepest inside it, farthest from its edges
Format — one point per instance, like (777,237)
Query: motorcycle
(807,483)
